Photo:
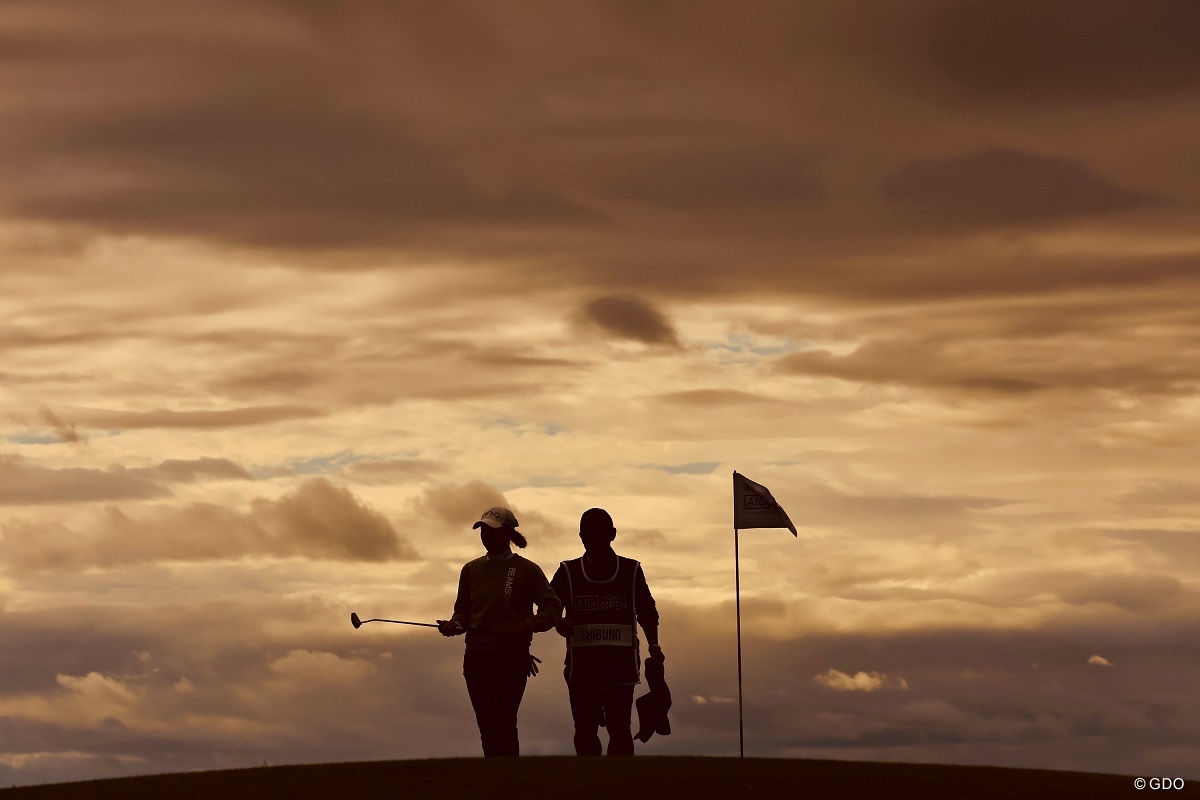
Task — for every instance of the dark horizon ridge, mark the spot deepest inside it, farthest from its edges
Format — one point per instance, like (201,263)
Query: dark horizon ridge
(661,777)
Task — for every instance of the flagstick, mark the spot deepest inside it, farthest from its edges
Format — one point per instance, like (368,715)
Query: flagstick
(737,583)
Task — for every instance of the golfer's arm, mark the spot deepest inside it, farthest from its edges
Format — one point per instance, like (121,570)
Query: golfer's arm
(549,607)
(462,603)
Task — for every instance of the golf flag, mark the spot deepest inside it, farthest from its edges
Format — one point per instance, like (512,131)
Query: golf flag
(754,507)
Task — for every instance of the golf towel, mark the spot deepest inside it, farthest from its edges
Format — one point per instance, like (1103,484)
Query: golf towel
(653,706)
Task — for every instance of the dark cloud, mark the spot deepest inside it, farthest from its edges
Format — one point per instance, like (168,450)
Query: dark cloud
(719,160)
(26,483)
(629,318)
(168,418)
(1004,187)
(997,367)
(467,391)
(16,379)
(65,431)
(496,357)
(1164,492)
(705,398)
(241,136)
(186,471)
(272,176)
(13,337)
(1176,546)
(317,520)
(693,468)
(747,180)
(384,363)
(972,695)
(321,520)
(148,689)
(279,381)
(1068,51)
(1136,593)
(909,513)
(459,506)
(638,537)
(394,470)
(161,674)
(878,362)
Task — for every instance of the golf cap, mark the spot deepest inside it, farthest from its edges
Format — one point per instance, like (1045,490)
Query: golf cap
(497,517)
(596,519)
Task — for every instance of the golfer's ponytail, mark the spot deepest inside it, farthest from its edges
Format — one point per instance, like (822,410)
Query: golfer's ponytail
(518,539)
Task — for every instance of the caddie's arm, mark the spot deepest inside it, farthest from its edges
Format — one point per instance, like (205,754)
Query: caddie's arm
(647,612)
(651,635)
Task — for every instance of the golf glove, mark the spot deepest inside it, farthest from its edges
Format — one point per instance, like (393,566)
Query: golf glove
(449,627)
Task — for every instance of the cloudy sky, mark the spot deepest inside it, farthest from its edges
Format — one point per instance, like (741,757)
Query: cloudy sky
(291,291)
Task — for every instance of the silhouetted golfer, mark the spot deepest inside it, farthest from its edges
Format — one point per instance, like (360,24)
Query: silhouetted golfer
(603,595)
(496,594)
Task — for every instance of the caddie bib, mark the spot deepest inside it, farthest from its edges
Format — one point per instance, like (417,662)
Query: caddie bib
(603,648)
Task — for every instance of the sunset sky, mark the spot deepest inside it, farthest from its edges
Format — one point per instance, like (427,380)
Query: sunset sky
(290,292)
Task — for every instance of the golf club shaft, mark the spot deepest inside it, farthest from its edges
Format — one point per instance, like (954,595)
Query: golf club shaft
(401,622)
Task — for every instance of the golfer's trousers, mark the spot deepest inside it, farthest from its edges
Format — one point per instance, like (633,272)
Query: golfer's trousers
(496,683)
(611,706)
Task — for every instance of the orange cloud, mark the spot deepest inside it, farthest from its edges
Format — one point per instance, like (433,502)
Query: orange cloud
(859,682)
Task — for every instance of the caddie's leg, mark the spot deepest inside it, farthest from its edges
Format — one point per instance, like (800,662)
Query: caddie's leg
(618,711)
(585,712)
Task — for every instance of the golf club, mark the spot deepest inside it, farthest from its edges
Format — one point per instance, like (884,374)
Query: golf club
(356,622)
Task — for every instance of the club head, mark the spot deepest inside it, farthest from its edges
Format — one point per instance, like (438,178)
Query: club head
(354,620)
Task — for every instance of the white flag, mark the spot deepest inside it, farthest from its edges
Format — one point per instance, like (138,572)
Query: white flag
(754,507)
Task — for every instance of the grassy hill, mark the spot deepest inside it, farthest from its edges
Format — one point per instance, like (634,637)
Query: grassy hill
(652,778)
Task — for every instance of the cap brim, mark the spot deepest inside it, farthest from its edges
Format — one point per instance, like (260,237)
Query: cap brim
(489,523)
